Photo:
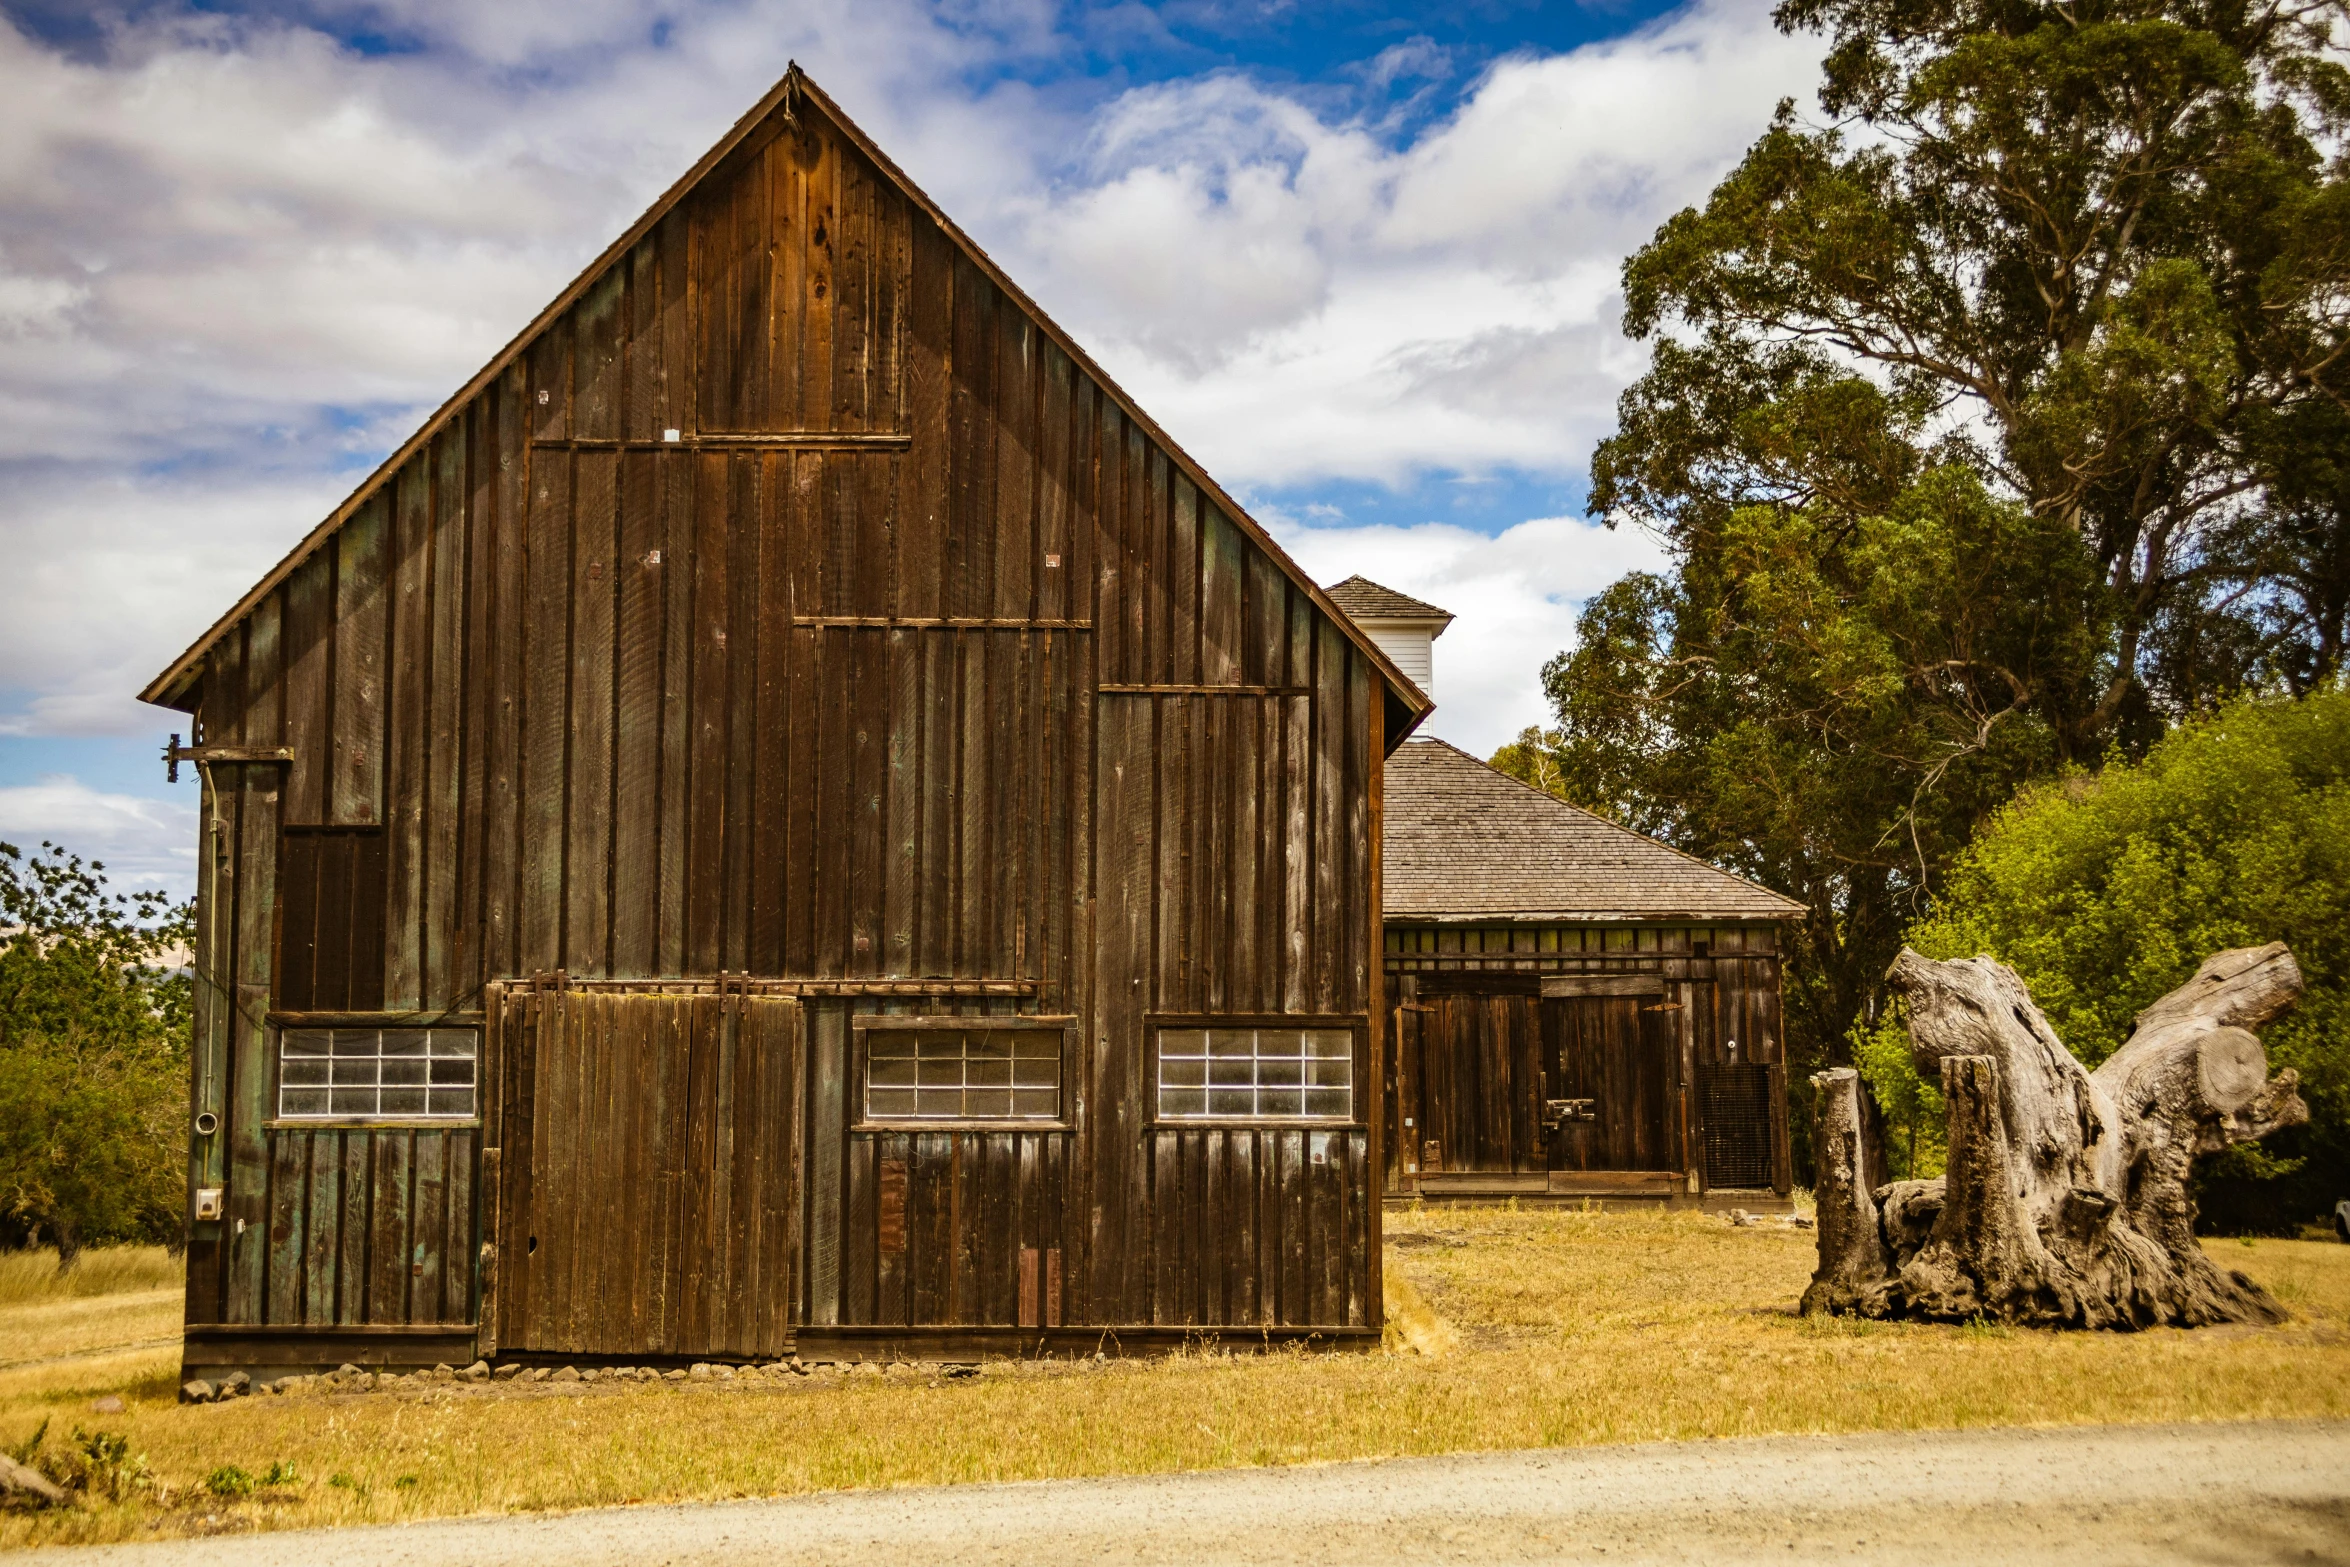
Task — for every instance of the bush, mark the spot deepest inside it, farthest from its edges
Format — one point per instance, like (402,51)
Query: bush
(2104,891)
(94,1024)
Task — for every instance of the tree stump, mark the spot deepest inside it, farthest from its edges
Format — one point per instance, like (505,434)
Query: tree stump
(2065,1202)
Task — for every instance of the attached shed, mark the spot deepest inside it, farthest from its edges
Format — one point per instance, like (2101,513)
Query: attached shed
(1579,1010)
(789,815)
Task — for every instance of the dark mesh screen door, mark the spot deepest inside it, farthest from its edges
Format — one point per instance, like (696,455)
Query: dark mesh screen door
(650,1169)
(1734,1117)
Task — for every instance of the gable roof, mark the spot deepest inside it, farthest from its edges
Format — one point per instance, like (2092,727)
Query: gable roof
(1408,705)
(1364,599)
(1464,841)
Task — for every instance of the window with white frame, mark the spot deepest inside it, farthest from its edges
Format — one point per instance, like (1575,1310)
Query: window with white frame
(377,1074)
(1256,1073)
(939,1072)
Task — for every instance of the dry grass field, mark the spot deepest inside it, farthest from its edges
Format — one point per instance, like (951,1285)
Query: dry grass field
(1546,1328)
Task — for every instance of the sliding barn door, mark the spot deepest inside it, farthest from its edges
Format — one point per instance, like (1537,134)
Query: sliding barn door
(649,1167)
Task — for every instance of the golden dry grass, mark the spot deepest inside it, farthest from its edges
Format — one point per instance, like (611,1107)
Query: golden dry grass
(1564,1328)
(27,1277)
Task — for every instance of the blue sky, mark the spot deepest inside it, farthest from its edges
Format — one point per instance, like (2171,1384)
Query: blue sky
(1361,258)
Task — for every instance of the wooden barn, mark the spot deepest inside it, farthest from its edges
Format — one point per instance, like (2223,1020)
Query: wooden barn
(789,815)
(1579,1012)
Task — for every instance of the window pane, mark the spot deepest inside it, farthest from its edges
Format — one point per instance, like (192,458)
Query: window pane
(979,1074)
(1280,1074)
(1257,1074)
(421,1073)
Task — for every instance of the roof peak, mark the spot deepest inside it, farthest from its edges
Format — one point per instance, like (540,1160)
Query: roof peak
(1363,599)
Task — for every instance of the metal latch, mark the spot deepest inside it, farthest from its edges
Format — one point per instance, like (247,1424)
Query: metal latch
(1555,1111)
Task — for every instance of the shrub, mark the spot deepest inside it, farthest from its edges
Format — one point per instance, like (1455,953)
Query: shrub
(2105,890)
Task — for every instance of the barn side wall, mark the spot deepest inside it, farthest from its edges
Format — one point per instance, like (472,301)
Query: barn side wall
(795,607)
(1482,1106)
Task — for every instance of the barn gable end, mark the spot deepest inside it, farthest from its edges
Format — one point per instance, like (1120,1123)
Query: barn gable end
(791,615)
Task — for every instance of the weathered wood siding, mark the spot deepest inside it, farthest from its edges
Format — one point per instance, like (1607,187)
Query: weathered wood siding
(1467,1074)
(791,606)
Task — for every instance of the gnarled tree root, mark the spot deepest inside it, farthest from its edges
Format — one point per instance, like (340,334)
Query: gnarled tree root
(2066,1199)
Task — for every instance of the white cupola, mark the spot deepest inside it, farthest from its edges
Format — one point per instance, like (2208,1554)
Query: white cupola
(1404,627)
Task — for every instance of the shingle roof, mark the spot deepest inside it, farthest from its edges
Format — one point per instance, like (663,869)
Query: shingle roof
(1364,599)
(1464,841)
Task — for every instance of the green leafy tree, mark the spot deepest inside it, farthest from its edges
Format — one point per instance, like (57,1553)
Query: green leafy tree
(2105,890)
(94,1024)
(1992,425)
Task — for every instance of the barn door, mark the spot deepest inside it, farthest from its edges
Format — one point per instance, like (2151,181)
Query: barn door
(1612,1083)
(650,1174)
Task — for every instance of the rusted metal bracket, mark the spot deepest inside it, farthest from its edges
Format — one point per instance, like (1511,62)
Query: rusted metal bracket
(175,753)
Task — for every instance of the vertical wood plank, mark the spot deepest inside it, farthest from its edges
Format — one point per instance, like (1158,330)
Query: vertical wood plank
(355,779)
(405,738)
(545,700)
(641,569)
(587,885)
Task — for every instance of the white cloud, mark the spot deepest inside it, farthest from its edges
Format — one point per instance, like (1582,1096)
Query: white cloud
(1514,598)
(141,842)
(1297,298)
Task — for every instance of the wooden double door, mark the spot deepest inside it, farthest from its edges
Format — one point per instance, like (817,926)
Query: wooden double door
(647,1196)
(1523,1083)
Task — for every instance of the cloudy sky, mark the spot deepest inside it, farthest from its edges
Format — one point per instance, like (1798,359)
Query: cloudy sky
(1360,257)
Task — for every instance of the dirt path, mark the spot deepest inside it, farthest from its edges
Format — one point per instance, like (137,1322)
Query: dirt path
(2244,1493)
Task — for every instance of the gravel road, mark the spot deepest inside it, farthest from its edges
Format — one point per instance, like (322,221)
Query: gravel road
(2236,1493)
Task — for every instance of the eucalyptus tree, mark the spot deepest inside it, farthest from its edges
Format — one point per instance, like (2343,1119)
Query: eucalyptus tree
(1995,418)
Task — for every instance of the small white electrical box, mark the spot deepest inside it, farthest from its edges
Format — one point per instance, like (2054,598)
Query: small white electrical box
(209,1202)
